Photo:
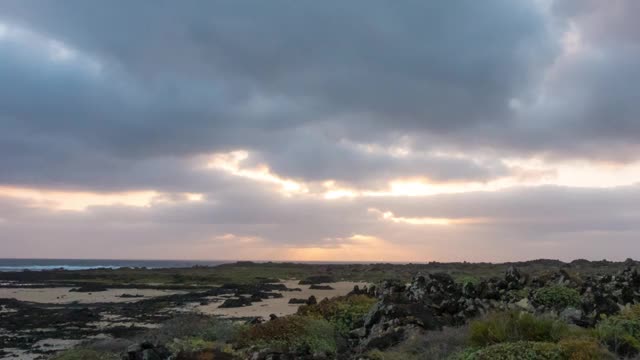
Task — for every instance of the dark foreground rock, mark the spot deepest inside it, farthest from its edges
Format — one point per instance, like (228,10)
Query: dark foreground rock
(435,300)
(297,301)
(147,351)
(130,296)
(237,302)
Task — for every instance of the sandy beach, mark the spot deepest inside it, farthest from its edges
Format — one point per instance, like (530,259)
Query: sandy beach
(278,306)
(97,314)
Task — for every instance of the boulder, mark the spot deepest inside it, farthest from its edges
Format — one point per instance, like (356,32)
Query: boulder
(525,305)
(147,351)
(297,301)
(236,302)
(311,300)
(572,316)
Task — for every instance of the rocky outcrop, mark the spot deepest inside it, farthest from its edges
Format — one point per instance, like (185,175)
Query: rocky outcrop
(147,351)
(267,354)
(434,300)
(297,301)
(309,301)
(236,302)
(368,291)
(607,294)
(312,300)
(396,315)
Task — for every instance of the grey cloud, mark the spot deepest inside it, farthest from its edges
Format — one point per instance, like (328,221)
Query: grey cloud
(548,221)
(204,77)
(535,208)
(157,85)
(309,154)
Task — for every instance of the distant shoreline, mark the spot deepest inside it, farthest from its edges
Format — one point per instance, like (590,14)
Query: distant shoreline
(41,264)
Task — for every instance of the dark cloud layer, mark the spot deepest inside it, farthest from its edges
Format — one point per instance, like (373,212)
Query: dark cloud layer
(206,77)
(117,96)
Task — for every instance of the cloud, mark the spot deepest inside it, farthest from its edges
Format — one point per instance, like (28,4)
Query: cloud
(250,75)
(546,221)
(361,122)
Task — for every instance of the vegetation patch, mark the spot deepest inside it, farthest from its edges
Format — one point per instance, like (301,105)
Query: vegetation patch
(85,354)
(621,332)
(438,344)
(513,326)
(196,328)
(522,350)
(297,334)
(557,297)
(345,313)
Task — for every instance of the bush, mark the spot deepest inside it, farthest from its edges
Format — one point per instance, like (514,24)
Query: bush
(467,279)
(557,297)
(621,333)
(584,348)
(512,326)
(522,350)
(189,345)
(194,326)
(291,334)
(345,313)
(567,349)
(85,354)
(432,345)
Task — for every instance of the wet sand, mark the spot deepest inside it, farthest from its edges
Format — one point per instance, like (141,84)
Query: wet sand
(277,306)
(61,295)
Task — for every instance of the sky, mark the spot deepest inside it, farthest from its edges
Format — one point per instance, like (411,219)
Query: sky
(417,131)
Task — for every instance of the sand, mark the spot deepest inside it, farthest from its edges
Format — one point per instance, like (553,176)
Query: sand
(280,306)
(61,295)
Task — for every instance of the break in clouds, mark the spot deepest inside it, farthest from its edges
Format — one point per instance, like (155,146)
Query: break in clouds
(360,130)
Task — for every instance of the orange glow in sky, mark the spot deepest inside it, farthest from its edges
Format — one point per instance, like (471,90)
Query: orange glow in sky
(356,247)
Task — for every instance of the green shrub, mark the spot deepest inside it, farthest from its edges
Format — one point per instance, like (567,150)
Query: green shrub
(189,345)
(512,326)
(85,354)
(389,355)
(568,349)
(291,334)
(345,313)
(221,330)
(621,332)
(557,297)
(584,348)
(194,326)
(437,344)
(522,350)
(467,279)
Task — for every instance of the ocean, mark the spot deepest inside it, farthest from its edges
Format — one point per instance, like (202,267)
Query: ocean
(79,264)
